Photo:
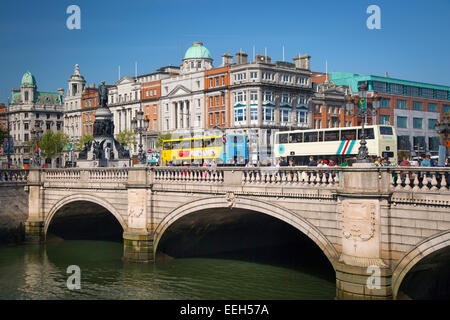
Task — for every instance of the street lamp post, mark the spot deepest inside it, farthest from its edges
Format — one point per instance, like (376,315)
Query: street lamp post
(139,125)
(36,135)
(363,112)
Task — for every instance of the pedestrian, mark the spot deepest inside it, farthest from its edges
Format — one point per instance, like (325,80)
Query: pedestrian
(312,162)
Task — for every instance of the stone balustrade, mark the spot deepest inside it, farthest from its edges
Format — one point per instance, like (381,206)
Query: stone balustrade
(61,174)
(188,174)
(317,177)
(13,176)
(92,175)
(420,179)
(109,174)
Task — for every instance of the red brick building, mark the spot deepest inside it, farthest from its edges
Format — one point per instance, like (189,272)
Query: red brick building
(89,103)
(217,97)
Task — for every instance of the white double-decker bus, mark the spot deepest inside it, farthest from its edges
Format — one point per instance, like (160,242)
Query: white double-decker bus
(338,144)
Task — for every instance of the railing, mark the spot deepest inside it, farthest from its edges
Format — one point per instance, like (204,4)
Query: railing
(13,176)
(188,174)
(61,174)
(298,176)
(91,175)
(108,174)
(421,179)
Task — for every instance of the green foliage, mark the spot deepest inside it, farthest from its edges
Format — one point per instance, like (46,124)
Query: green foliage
(3,135)
(85,138)
(127,138)
(161,138)
(52,144)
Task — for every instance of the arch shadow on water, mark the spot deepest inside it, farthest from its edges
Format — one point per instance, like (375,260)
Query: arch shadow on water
(245,235)
(429,279)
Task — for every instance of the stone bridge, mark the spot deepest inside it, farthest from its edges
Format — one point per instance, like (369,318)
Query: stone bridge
(388,217)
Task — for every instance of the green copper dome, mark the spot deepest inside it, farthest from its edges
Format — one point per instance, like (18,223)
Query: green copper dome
(196,51)
(28,79)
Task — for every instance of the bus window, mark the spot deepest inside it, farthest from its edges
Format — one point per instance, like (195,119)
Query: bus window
(311,136)
(216,142)
(185,144)
(368,132)
(348,134)
(296,137)
(198,143)
(283,138)
(332,135)
(208,142)
(320,135)
(176,144)
(386,131)
(238,139)
(167,145)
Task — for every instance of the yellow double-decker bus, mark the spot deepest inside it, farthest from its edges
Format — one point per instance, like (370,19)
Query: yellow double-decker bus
(232,149)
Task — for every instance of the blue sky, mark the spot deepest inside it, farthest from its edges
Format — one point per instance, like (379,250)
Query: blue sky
(412,44)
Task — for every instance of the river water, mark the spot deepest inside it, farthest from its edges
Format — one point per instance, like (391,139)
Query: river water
(40,272)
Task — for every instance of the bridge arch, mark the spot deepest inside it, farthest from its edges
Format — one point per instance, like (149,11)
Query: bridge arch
(263,207)
(86,198)
(422,250)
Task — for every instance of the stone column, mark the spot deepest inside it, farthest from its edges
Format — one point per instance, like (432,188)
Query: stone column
(138,237)
(34,226)
(175,116)
(260,113)
(277,108)
(247,108)
(361,272)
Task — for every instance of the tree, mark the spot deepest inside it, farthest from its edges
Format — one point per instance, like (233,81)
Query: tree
(3,135)
(127,138)
(161,138)
(52,144)
(85,138)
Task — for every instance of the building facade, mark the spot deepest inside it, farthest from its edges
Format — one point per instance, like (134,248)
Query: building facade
(412,107)
(73,105)
(31,109)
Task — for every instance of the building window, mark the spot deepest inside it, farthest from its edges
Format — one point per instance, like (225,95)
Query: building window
(240,96)
(253,75)
(155,125)
(419,144)
(217,81)
(253,95)
(433,143)
(48,115)
(427,93)
(254,113)
(217,115)
(301,117)
(25,137)
(417,105)
(48,126)
(25,115)
(286,98)
(403,143)
(432,107)
(268,96)
(445,108)
(240,114)
(417,123)
(385,103)
(284,115)
(396,88)
(402,122)
(379,86)
(269,114)
(441,95)
(199,64)
(384,120)
(401,104)
(432,124)
(155,109)
(25,126)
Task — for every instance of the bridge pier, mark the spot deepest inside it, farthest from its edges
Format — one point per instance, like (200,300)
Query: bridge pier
(34,231)
(363,283)
(35,226)
(138,247)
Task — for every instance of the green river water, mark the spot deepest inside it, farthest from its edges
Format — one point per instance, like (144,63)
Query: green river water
(39,272)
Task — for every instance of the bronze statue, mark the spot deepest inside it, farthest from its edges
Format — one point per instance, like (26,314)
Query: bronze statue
(103,95)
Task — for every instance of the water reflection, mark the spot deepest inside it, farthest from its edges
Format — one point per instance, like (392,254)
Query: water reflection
(33,272)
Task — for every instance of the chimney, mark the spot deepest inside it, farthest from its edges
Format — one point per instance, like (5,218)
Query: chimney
(262,58)
(303,62)
(227,59)
(241,57)
(386,75)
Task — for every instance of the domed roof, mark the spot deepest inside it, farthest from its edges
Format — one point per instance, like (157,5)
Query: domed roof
(28,79)
(197,51)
